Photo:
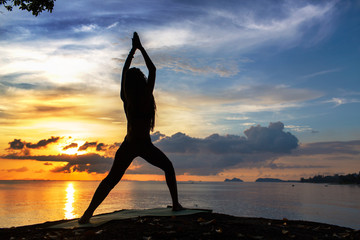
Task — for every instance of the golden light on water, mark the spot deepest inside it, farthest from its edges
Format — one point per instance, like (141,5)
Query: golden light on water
(70,199)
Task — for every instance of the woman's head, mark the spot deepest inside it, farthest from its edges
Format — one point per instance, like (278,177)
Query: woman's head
(135,81)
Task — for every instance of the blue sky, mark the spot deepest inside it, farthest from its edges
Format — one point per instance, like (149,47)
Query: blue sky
(222,67)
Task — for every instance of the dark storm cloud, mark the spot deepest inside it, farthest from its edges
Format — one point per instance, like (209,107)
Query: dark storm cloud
(87,145)
(17,144)
(336,147)
(213,154)
(101,147)
(200,156)
(258,139)
(157,136)
(72,145)
(259,148)
(114,146)
(271,139)
(90,162)
(208,156)
(179,143)
(42,143)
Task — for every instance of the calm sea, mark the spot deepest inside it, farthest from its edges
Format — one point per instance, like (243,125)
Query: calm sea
(30,202)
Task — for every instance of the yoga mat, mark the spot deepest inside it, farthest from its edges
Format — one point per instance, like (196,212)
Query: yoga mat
(98,220)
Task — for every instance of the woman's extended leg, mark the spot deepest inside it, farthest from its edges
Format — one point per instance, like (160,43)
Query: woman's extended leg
(123,159)
(156,157)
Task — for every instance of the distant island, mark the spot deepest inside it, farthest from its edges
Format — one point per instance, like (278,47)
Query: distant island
(273,180)
(269,180)
(353,178)
(233,180)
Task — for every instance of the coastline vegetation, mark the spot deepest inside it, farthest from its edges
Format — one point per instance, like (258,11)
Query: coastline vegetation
(353,178)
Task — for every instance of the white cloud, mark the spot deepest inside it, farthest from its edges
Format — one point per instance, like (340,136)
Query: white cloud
(61,61)
(236,118)
(341,101)
(168,36)
(248,124)
(240,28)
(112,25)
(86,28)
(180,63)
(197,113)
(298,128)
(321,73)
(251,98)
(209,41)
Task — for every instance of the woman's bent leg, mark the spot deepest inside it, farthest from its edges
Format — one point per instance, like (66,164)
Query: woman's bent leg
(157,158)
(123,159)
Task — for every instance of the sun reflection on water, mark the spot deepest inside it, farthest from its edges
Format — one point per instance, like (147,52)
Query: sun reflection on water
(70,199)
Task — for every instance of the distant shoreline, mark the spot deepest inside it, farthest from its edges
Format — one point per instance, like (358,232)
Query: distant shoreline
(353,178)
(187,182)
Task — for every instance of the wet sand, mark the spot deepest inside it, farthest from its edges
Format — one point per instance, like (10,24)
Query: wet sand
(197,226)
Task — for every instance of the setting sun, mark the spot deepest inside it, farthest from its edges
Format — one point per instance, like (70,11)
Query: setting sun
(71,151)
(71,148)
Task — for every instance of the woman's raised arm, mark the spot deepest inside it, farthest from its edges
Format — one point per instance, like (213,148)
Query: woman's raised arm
(149,64)
(125,68)
(152,69)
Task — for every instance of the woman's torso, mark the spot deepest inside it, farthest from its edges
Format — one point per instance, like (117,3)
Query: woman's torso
(139,115)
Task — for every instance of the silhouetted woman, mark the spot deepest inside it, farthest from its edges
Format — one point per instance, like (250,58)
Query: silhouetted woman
(139,105)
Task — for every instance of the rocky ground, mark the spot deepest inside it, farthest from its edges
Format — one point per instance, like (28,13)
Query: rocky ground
(197,226)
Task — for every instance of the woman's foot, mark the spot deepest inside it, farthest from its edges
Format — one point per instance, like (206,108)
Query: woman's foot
(177,207)
(85,218)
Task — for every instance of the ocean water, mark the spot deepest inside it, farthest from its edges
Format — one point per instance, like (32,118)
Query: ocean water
(31,202)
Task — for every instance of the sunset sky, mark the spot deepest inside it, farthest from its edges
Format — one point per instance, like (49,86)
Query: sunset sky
(244,89)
